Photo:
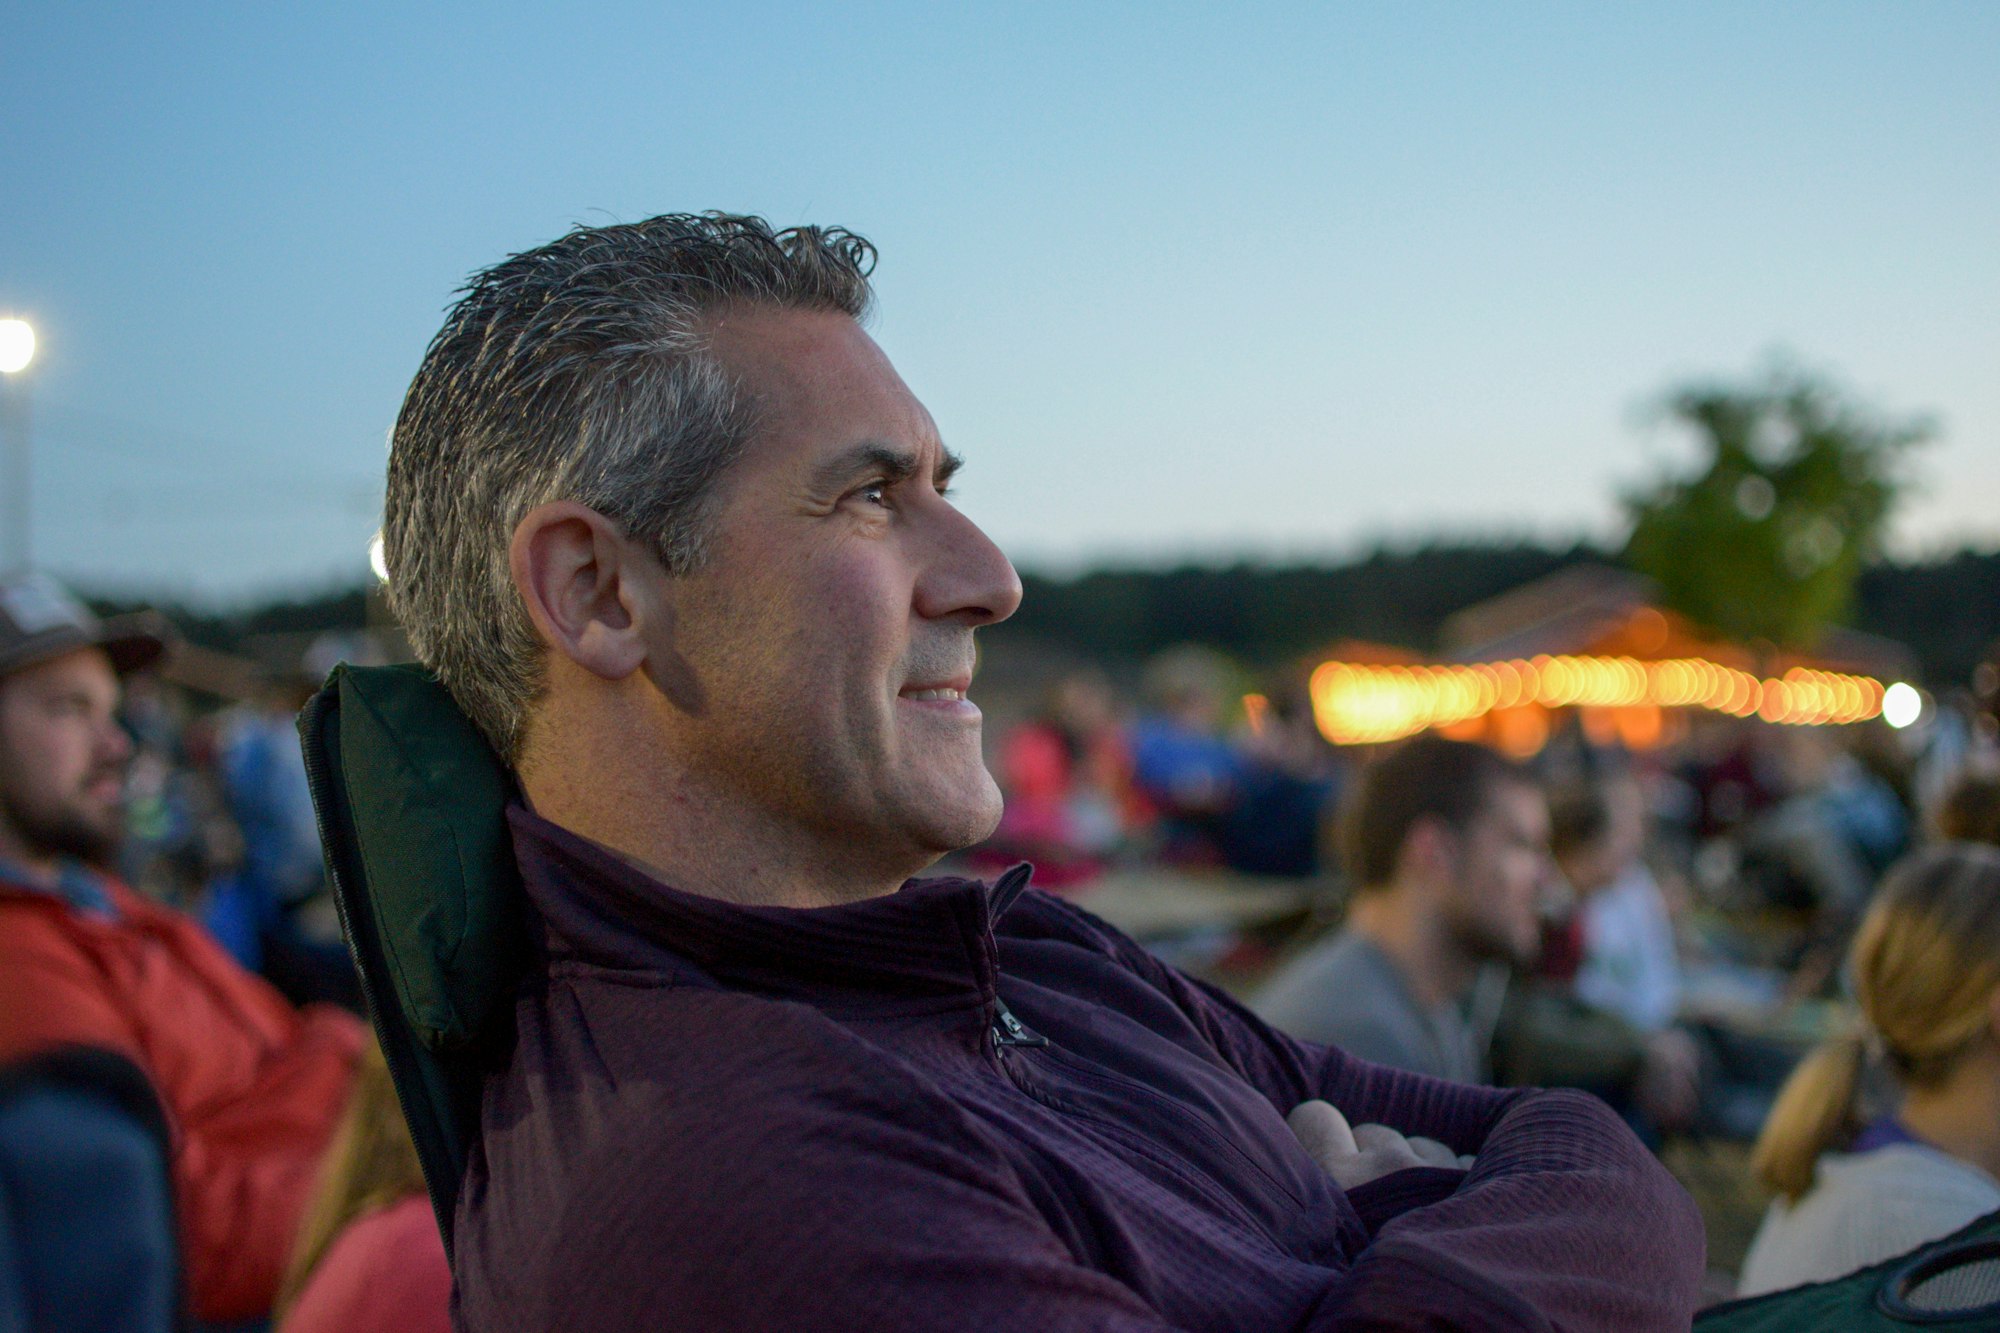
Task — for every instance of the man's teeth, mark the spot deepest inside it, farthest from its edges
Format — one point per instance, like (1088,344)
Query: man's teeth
(951,695)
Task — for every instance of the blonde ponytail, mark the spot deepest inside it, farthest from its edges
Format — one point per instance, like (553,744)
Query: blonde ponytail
(1925,963)
(1814,1111)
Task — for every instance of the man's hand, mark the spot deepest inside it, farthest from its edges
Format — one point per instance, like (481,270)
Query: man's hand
(1352,1156)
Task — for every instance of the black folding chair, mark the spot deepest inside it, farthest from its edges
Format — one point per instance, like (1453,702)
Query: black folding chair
(1952,1283)
(412,814)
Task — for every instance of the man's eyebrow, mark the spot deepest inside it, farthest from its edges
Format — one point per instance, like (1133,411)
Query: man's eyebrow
(948,465)
(895,465)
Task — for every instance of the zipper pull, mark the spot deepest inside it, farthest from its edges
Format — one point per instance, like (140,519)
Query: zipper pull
(1011,1031)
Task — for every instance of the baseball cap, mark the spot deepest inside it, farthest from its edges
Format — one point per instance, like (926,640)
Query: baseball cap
(39,620)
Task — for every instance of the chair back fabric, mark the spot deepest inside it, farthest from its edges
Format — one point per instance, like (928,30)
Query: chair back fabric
(412,806)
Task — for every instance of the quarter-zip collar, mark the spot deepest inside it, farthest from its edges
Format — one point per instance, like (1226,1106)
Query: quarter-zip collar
(928,945)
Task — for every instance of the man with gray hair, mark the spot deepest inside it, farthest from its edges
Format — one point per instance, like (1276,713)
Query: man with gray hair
(674,533)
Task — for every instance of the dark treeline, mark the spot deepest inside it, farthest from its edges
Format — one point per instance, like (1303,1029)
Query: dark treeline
(232,631)
(1947,611)
(1266,614)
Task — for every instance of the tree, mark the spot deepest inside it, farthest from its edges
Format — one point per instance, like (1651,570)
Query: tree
(1790,502)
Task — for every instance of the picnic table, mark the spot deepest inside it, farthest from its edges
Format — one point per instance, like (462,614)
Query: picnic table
(1155,903)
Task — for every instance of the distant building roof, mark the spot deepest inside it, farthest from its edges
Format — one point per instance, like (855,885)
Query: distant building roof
(1603,610)
(1568,611)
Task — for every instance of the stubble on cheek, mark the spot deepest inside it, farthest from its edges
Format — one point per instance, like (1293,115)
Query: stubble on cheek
(763,656)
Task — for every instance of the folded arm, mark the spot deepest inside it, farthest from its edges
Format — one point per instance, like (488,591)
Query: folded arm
(1564,1220)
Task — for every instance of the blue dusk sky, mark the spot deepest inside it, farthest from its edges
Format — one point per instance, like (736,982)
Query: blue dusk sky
(1180,281)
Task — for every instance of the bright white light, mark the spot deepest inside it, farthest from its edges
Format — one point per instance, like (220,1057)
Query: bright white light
(378,561)
(17,345)
(1901,705)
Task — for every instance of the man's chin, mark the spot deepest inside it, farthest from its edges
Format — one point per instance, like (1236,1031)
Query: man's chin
(954,821)
(78,840)
(1490,946)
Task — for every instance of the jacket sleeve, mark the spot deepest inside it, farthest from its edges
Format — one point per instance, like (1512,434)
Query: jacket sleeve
(1565,1221)
(1565,1213)
(244,1179)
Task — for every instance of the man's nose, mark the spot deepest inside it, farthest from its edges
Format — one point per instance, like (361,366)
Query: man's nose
(966,576)
(114,744)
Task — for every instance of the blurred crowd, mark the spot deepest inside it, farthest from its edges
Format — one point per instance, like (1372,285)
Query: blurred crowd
(220,824)
(1200,775)
(192,1117)
(1671,929)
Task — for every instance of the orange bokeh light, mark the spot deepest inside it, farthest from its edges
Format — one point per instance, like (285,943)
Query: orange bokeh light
(1357,704)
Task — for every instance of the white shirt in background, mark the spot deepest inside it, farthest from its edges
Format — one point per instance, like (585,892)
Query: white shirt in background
(1629,964)
(1864,1208)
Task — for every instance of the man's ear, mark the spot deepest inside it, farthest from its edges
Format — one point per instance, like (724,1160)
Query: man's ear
(585,586)
(1430,851)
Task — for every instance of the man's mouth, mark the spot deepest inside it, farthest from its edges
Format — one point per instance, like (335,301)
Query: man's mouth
(946,693)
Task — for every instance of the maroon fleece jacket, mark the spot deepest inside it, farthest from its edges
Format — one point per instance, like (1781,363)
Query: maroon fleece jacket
(969,1108)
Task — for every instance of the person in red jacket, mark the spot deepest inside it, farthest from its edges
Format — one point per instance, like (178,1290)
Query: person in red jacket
(251,1086)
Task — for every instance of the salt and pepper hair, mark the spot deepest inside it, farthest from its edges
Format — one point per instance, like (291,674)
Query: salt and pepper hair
(580,371)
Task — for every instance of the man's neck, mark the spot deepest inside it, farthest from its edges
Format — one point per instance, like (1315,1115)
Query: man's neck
(1433,968)
(42,870)
(699,843)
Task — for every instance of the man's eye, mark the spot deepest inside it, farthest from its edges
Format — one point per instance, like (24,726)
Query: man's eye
(875,493)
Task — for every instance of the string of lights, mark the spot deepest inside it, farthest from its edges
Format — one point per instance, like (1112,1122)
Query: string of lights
(1357,704)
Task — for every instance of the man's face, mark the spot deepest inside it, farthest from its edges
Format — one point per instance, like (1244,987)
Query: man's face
(1502,871)
(1596,865)
(820,658)
(62,759)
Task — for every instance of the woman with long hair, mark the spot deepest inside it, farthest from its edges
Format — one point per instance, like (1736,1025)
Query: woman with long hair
(368,1258)
(1926,973)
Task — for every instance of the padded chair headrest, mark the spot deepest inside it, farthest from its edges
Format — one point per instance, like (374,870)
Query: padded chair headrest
(429,799)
